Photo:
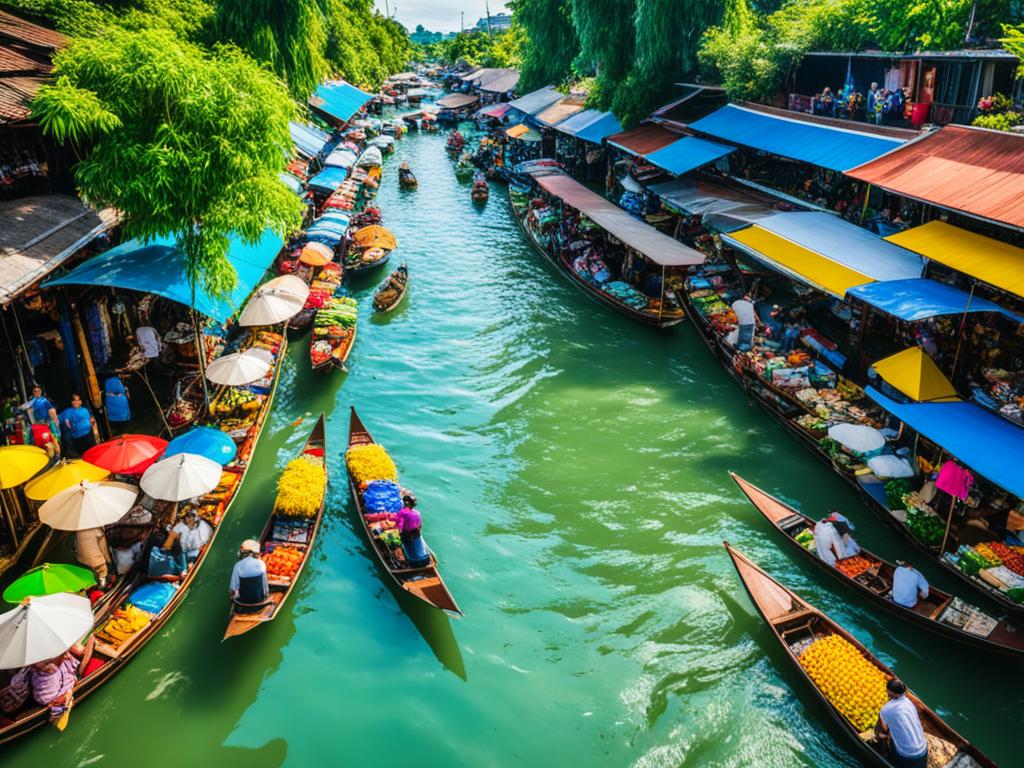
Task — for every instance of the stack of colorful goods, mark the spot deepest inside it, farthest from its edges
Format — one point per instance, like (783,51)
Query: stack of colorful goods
(926,526)
(283,562)
(853,685)
(627,294)
(382,496)
(986,562)
(300,489)
(968,618)
(211,506)
(854,566)
(1011,557)
(367,463)
(374,472)
(323,286)
(122,625)
(805,539)
(334,330)
(1002,391)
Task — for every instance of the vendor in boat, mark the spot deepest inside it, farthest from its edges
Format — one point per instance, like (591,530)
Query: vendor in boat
(845,530)
(193,533)
(745,321)
(92,551)
(828,542)
(410,526)
(47,682)
(249,588)
(900,721)
(908,585)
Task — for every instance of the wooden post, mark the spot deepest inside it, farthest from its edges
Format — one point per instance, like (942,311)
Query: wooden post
(9,520)
(949,524)
(91,384)
(661,306)
(864,208)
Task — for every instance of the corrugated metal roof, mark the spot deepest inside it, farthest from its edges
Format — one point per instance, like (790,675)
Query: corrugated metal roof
(536,101)
(457,100)
(561,110)
(974,170)
(600,129)
(26,51)
(688,153)
(643,140)
(501,81)
(19,30)
(338,99)
(579,120)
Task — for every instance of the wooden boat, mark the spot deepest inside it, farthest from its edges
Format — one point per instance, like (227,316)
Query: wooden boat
(114,659)
(407,179)
(464,170)
(280,589)
(327,352)
(792,619)
(366,260)
(875,584)
(480,192)
(424,583)
(390,293)
(520,205)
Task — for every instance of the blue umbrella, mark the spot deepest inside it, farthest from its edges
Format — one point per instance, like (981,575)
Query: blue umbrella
(204,441)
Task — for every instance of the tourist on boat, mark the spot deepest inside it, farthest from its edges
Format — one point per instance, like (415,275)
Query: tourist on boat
(845,530)
(80,425)
(828,542)
(901,722)
(47,682)
(193,533)
(908,585)
(745,320)
(91,550)
(410,525)
(249,588)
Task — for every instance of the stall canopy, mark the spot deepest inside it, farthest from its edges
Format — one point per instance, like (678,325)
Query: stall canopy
(536,101)
(559,111)
(643,140)
(654,245)
(984,441)
(329,179)
(919,298)
(159,267)
(722,209)
(600,129)
(688,153)
(457,100)
(915,374)
(992,261)
(523,133)
(797,138)
(500,81)
(497,111)
(580,120)
(338,99)
(977,171)
(308,139)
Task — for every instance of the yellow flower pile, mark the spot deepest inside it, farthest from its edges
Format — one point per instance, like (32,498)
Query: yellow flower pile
(854,685)
(300,489)
(367,463)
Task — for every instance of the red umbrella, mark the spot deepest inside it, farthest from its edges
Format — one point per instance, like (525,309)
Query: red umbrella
(126,454)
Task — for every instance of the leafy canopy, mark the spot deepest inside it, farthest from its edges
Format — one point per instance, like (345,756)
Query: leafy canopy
(184,142)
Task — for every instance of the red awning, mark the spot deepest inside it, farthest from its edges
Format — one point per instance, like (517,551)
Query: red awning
(974,170)
(643,140)
(496,111)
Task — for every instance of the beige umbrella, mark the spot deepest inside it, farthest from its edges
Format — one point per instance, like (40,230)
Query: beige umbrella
(237,369)
(182,476)
(275,301)
(88,505)
(42,628)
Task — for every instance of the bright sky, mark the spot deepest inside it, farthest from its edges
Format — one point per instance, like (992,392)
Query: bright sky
(438,15)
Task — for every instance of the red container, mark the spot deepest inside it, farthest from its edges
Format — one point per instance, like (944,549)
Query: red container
(919,113)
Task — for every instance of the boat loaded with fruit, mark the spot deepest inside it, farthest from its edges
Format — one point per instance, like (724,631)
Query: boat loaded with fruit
(334,333)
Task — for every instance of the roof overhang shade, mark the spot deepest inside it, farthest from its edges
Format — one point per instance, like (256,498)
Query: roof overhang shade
(656,246)
(919,298)
(307,139)
(536,101)
(159,267)
(984,441)
(643,140)
(457,100)
(500,81)
(824,145)
(915,374)
(992,261)
(687,154)
(796,261)
(600,129)
(339,100)
(974,170)
(329,179)
(722,209)
(580,120)
(497,111)
(561,110)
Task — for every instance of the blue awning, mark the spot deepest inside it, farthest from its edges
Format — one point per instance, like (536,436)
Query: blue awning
(329,179)
(578,121)
(308,139)
(600,129)
(985,442)
(800,139)
(159,267)
(921,298)
(687,154)
(338,99)
(293,183)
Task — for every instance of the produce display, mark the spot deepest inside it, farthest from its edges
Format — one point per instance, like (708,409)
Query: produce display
(1012,557)
(853,685)
(300,489)
(123,624)
(854,566)
(971,562)
(805,539)
(233,400)
(367,463)
(333,329)
(895,493)
(926,527)
(283,563)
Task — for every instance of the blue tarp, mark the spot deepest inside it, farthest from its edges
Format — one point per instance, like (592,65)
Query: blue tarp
(600,129)
(338,99)
(336,216)
(307,139)
(688,153)
(292,183)
(985,442)
(159,268)
(921,298)
(329,179)
(837,148)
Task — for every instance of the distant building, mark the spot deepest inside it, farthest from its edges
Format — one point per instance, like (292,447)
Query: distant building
(499,22)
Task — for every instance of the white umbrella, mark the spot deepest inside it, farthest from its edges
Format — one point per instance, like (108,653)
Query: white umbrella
(88,505)
(370,157)
(237,369)
(276,301)
(859,438)
(42,628)
(182,476)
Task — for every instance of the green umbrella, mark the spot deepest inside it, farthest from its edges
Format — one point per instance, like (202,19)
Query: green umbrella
(48,579)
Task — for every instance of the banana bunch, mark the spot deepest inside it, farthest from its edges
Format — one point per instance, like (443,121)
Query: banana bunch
(123,623)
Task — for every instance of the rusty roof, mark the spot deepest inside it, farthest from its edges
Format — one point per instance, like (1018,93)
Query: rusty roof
(644,139)
(26,52)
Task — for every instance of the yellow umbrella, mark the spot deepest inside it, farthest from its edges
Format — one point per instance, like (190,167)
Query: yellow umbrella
(316,254)
(915,374)
(375,236)
(61,477)
(19,462)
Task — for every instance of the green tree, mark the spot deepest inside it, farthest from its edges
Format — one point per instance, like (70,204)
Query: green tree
(363,46)
(606,50)
(551,44)
(184,142)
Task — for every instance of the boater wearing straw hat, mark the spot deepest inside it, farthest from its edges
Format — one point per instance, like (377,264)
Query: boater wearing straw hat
(249,588)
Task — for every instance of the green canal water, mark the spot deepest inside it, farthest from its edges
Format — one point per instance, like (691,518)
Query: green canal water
(571,467)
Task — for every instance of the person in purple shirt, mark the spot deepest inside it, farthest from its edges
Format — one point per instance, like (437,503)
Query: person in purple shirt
(410,524)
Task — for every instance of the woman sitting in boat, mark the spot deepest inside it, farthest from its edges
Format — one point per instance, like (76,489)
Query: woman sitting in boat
(900,721)
(410,525)
(193,533)
(47,682)
(249,588)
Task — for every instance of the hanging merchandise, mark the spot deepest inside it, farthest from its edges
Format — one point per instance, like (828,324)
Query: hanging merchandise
(955,480)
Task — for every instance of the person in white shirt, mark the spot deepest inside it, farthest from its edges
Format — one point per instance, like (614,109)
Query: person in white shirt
(828,542)
(194,533)
(908,585)
(249,588)
(745,319)
(149,340)
(900,720)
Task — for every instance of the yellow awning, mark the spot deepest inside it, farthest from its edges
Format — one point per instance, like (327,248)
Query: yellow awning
(989,260)
(516,131)
(915,374)
(804,264)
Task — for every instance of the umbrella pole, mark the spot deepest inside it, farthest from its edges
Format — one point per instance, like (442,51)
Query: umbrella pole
(41,552)
(201,354)
(159,408)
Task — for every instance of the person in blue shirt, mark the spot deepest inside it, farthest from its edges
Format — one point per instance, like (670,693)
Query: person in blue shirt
(901,722)
(39,407)
(80,425)
(908,585)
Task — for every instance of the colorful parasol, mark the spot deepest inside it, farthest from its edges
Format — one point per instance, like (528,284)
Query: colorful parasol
(204,441)
(375,236)
(61,476)
(19,463)
(88,505)
(316,254)
(126,454)
(42,628)
(49,579)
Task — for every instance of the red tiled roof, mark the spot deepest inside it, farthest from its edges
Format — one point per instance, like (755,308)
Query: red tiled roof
(19,30)
(26,52)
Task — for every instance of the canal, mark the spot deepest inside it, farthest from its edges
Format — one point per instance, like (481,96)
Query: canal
(571,467)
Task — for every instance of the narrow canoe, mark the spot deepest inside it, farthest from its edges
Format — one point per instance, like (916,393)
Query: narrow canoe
(280,590)
(339,354)
(426,582)
(399,279)
(792,619)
